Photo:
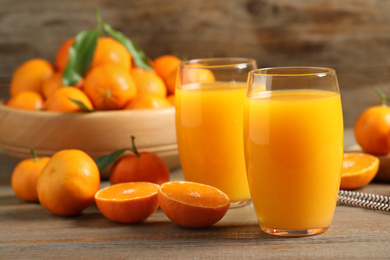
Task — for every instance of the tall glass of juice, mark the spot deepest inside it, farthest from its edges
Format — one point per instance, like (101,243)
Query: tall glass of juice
(209,101)
(293,139)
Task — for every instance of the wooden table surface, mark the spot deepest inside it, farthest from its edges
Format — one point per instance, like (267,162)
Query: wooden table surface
(27,230)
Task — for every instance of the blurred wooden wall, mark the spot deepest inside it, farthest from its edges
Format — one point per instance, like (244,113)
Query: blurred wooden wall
(352,36)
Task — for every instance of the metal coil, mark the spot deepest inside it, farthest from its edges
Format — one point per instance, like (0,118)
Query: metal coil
(364,200)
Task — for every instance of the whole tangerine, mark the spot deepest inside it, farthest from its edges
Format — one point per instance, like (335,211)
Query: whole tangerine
(61,100)
(30,76)
(109,87)
(25,176)
(139,166)
(68,182)
(167,67)
(29,100)
(108,50)
(148,82)
(372,128)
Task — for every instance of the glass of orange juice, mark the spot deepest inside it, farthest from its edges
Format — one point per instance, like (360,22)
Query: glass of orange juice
(209,101)
(293,139)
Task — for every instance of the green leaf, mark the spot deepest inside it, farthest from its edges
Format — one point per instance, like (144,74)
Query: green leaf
(105,160)
(139,57)
(80,57)
(82,105)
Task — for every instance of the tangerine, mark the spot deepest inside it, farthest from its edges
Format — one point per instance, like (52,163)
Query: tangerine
(373,126)
(109,87)
(358,170)
(167,66)
(147,102)
(197,75)
(148,82)
(372,129)
(30,76)
(108,50)
(29,100)
(191,204)
(62,55)
(25,176)
(128,202)
(60,100)
(139,166)
(68,182)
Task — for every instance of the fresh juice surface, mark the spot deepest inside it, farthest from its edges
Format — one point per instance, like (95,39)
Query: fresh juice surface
(293,148)
(209,125)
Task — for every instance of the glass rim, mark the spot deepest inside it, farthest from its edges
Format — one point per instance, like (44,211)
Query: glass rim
(321,71)
(218,62)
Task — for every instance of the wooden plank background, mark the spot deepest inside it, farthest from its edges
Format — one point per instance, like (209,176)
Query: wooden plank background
(352,36)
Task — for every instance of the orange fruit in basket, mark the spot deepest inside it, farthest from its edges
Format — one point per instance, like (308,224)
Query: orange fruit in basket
(167,66)
(147,102)
(68,182)
(358,170)
(109,87)
(107,50)
(372,128)
(128,202)
(196,75)
(29,100)
(148,82)
(62,55)
(139,166)
(111,51)
(191,204)
(53,83)
(30,76)
(60,100)
(24,177)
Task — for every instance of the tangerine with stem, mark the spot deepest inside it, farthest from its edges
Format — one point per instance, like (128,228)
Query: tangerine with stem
(372,128)
(139,166)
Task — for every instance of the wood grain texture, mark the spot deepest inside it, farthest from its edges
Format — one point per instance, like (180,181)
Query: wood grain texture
(30,231)
(352,36)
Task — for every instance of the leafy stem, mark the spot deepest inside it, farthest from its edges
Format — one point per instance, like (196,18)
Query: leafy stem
(134,150)
(99,22)
(382,95)
(105,160)
(34,155)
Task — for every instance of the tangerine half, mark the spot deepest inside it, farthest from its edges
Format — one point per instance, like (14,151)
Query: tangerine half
(358,170)
(128,202)
(191,204)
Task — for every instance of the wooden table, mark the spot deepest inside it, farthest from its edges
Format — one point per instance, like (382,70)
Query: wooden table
(29,231)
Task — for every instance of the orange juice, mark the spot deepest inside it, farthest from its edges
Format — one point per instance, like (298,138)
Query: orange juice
(293,149)
(209,125)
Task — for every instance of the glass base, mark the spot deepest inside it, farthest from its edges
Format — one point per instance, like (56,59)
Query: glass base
(239,204)
(294,233)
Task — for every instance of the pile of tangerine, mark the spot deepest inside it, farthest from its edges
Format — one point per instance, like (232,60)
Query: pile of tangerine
(112,82)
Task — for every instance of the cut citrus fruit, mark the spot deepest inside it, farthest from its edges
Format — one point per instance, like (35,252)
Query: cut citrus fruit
(358,170)
(191,204)
(128,202)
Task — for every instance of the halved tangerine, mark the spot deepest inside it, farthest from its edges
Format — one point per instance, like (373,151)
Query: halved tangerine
(358,170)
(191,204)
(128,202)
